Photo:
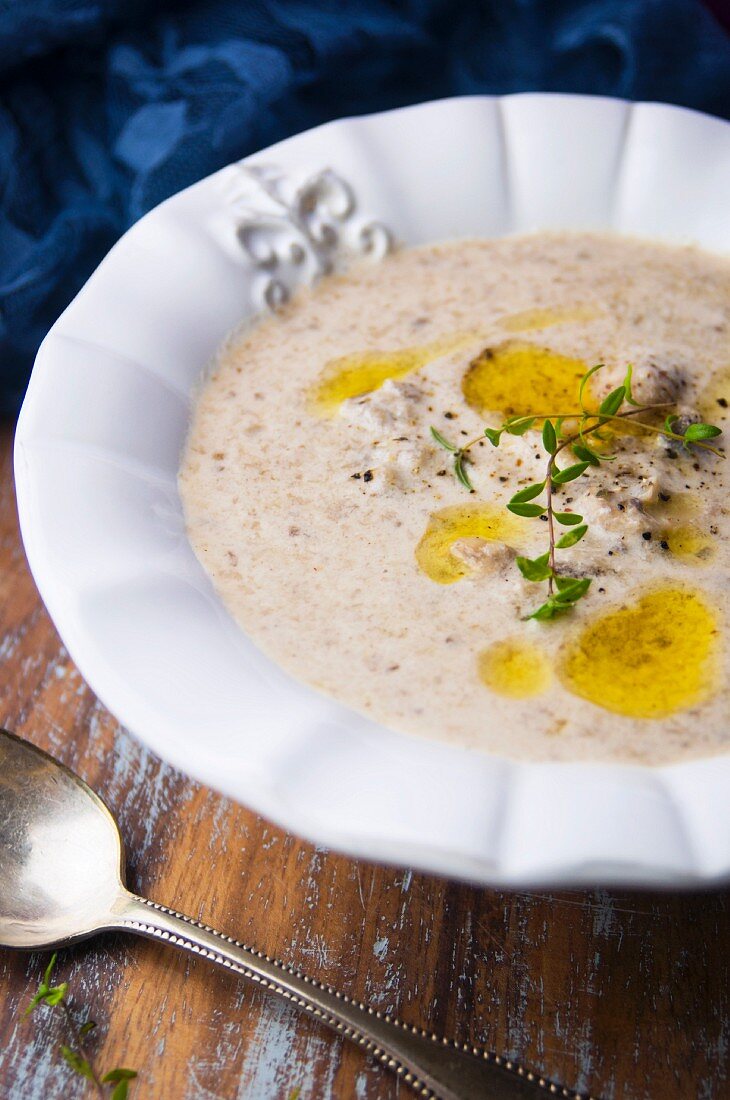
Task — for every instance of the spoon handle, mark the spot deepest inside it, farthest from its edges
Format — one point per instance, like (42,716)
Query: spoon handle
(437,1069)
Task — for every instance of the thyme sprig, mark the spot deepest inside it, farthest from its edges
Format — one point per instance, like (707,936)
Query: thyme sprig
(538,499)
(77,1055)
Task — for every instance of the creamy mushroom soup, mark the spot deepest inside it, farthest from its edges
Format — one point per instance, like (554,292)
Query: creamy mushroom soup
(336,531)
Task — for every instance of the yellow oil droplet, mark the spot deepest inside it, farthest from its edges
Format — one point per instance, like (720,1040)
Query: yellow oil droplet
(461,521)
(676,509)
(682,507)
(647,660)
(714,400)
(515,668)
(530,319)
(680,533)
(518,378)
(689,543)
(364,371)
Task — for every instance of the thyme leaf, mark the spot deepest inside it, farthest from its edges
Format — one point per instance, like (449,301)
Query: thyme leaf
(443,441)
(611,404)
(527,511)
(534,569)
(549,437)
(460,471)
(584,382)
(696,432)
(518,425)
(570,473)
(529,493)
(571,537)
(75,1053)
(629,397)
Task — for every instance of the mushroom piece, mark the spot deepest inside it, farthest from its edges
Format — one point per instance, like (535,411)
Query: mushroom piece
(683,418)
(481,556)
(392,405)
(658,383)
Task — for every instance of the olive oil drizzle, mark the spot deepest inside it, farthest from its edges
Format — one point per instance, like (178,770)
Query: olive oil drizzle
(461,521)
(647,659)
(359,373)
(515,668)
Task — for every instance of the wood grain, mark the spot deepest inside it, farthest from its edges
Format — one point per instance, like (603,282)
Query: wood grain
(623,994)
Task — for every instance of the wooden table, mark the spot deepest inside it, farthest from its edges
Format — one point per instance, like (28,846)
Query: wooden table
(625,995)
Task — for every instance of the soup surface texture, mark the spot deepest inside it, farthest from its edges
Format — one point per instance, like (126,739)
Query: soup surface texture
(337,534)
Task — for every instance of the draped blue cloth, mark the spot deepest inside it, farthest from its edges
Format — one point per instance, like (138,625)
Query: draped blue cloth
(109,106)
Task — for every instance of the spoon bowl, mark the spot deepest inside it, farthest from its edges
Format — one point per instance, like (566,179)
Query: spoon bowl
(61,854)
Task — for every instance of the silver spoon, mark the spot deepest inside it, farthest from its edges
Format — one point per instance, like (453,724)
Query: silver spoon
(62,880)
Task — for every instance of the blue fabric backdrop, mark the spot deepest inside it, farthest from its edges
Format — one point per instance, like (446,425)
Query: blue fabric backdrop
(108,106)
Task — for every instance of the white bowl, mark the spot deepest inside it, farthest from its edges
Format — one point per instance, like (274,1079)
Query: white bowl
(105,417)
